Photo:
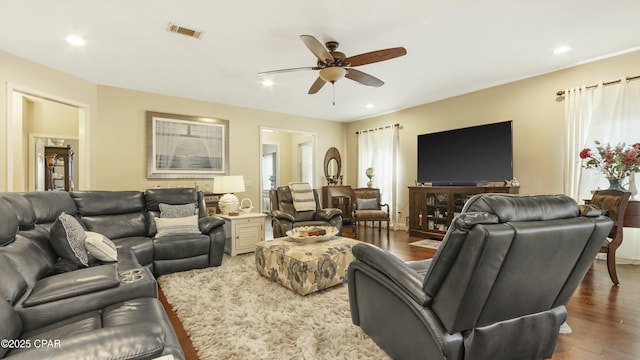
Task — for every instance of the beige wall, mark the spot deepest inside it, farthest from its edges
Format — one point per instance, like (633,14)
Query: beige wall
(116,128)
(116,125)
(120,141)
(31,78)
(538,123)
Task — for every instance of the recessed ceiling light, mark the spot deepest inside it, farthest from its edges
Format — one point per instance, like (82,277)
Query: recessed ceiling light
(561,50)
(267,82)
(75,40)
(370,106)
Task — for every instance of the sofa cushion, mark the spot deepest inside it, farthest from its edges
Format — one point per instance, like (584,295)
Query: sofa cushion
(9,224)
(173,196)
(68,237)
(178,211)
(175,226)
(22,208)
(101,247)
(101,203)
(12,285)
(181,246)
(28,259)
(11,325)
(48,205)
(75,325)
(118,226)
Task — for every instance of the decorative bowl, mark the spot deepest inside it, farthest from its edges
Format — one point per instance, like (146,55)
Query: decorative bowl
(301,233)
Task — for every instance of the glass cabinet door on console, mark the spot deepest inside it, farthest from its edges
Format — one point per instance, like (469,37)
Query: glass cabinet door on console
(436,211)
(433,208)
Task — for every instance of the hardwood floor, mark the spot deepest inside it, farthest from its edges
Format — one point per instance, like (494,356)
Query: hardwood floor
(605,319)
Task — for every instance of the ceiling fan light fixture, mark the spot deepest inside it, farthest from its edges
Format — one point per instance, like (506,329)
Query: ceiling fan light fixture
(332,73)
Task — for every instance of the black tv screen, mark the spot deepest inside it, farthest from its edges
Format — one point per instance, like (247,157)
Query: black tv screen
(466,156)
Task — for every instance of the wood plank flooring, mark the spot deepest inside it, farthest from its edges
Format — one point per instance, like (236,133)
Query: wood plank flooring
(605,319)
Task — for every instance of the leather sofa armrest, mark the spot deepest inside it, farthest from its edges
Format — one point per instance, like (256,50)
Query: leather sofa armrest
(396,270)
(327,214)
(278,214)
(73,283)
(208,223)
(37,316)
(132,341)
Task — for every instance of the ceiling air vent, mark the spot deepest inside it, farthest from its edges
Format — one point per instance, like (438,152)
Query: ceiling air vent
(185,31)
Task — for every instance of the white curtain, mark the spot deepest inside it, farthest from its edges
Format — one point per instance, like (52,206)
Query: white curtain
(609,114)
(210,138)
(378,149)
(167,138)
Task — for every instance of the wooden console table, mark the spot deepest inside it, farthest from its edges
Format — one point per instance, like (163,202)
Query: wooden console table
(432,208)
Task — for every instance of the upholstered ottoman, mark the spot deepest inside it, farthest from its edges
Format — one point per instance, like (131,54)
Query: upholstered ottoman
(305,267)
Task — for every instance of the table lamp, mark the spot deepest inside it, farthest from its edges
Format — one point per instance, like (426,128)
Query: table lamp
(228,185)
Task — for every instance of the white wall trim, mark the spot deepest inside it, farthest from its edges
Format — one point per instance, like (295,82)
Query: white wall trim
(84,120)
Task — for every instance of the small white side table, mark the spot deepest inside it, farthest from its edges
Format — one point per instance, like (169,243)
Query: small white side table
(243,232)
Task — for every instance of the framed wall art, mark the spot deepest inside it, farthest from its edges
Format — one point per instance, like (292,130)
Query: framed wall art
(186,147)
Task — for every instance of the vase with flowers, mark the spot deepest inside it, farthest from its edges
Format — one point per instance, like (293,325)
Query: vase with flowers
(616,163)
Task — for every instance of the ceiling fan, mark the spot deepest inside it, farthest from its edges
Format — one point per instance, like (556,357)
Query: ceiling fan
(334,65)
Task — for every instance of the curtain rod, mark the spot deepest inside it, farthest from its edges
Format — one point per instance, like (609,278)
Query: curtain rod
(378,128)
(561,92)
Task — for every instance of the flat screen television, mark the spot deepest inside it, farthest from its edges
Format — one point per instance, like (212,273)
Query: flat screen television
(466,156)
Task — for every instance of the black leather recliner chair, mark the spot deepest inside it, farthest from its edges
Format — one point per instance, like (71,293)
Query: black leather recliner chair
(496,288)
(284,216)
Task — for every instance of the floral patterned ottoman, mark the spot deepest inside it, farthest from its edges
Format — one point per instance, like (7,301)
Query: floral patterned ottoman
(305,267)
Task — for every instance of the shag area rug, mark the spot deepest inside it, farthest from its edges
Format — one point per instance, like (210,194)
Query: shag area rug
(232,312)
(427,243)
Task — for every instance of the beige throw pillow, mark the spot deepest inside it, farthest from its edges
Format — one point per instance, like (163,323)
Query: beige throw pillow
(176,226)
(101,247)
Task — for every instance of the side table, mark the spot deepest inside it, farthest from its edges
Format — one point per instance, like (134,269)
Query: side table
(243,232)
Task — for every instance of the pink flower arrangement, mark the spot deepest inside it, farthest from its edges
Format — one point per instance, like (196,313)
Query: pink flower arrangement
(614,162)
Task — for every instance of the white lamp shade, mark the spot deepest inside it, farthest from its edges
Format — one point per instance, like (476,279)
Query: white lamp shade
(228,185)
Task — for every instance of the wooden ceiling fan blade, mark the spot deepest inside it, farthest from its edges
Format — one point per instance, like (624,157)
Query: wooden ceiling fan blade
(363,78)
(317,48)
(375,56)
(289,70)
(316,86)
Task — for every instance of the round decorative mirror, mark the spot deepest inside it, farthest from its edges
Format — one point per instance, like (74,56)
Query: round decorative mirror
(332,166)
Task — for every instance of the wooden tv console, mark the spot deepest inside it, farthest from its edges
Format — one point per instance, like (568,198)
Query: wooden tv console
(432,208)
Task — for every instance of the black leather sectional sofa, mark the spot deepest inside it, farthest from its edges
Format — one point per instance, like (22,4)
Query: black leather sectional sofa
(53,309)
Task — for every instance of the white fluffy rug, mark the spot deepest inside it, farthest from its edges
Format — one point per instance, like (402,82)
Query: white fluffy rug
(231,312)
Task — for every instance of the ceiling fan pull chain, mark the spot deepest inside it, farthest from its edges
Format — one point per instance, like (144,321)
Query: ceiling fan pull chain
(333,87)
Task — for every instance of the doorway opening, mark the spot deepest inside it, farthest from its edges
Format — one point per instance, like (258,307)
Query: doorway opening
(37,119)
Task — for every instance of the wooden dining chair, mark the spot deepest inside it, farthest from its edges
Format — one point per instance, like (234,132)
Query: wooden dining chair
(614,202)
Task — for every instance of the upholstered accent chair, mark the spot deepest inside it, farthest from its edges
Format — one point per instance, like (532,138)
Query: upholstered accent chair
(368,208)
(614,204)
(285,217)
(496,288)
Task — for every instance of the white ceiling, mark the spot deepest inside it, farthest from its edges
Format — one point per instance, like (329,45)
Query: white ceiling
(453,47)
